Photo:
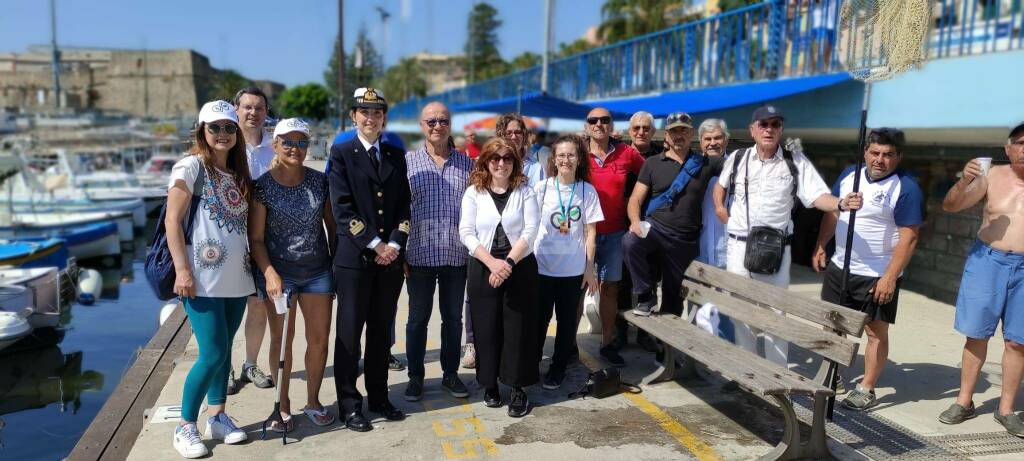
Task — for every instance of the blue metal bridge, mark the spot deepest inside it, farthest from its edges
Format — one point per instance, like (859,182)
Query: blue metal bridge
(766,51)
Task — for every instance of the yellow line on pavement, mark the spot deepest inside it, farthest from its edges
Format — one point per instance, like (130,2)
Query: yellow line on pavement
(677,430)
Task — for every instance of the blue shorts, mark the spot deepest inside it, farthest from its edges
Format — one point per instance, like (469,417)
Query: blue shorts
(992,289)
(608,256)
(320,284)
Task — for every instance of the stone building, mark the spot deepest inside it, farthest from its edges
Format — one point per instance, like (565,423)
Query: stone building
(157,83)
(441,71)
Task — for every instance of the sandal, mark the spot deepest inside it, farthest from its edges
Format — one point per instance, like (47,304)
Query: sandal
(289,425)
(319,417)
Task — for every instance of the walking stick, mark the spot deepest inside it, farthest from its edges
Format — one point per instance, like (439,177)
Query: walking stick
(276,414)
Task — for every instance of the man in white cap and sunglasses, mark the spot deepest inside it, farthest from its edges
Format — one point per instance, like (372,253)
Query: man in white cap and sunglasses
(773,179)
(252,107)
(370,201)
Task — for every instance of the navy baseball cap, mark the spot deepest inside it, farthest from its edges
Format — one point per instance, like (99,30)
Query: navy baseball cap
(1017,130)
(766,112)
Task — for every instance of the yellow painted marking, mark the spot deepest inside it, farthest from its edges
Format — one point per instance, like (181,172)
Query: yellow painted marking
(458,427)
(677,430)
(469,449)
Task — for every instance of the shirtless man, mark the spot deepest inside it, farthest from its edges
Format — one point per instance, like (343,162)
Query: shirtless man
(992,288)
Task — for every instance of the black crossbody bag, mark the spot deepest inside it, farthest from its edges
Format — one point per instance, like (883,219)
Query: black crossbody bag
(766,246)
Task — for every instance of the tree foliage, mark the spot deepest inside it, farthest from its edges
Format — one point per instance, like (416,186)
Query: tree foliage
(525,60)
(226,83)
(403,81)
(482,56)
(728,5)
(625,19)
(309,101)
(362,66)
(575,47)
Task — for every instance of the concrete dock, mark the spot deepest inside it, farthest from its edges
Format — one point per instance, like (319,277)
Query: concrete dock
(673,420)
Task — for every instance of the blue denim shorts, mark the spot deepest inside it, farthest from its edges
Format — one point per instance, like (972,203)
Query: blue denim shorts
(992,289)
(608,256)
(322,283)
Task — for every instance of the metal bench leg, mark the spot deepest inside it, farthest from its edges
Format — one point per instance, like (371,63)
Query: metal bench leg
(790,447)
(666,371)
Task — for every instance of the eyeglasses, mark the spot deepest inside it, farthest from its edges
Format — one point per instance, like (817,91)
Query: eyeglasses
(437,121)
(604,120)
(514,133)
(502,158)
(228,128)
(566,156)
(641,128)
(299,143)
(763,124)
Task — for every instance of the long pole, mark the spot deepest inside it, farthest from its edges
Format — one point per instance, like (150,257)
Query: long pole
(546,57)
(56,54)
(341,65)
(861,145)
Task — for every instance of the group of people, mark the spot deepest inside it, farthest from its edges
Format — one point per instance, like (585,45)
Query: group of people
(513,236)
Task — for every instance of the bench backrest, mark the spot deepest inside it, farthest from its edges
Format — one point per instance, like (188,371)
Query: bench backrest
(748,300)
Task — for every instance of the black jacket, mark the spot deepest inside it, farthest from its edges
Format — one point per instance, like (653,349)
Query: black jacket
(367,203)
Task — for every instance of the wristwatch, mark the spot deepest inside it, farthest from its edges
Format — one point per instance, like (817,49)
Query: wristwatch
(510,261)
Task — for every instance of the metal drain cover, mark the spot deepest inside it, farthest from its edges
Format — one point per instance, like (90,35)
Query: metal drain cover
(878,437)
(987,443)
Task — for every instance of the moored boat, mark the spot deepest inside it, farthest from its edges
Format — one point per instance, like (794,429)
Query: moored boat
(48,252)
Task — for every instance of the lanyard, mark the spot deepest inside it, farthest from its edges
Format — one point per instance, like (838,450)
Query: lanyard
(561,205)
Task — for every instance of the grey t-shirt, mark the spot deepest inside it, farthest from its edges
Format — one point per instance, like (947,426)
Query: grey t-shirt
(294,234)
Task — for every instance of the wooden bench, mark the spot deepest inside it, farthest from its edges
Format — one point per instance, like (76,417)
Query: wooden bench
(749,301)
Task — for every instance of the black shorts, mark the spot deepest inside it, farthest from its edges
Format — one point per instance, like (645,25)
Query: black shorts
(858,294)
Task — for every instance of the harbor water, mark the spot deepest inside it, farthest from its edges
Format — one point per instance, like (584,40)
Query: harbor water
(49,393)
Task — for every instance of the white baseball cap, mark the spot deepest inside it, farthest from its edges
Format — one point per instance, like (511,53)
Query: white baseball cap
(214,111)
(289,125)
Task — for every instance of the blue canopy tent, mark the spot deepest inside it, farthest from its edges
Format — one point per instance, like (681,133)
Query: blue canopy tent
(720,98)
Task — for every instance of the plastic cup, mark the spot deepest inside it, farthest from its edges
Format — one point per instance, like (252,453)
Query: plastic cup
(281,304)
(645,227)
(986,163)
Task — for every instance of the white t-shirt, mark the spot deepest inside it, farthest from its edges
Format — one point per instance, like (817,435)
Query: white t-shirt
(771,189)
(564,255)
(889,203)
(260,156)
(219,254)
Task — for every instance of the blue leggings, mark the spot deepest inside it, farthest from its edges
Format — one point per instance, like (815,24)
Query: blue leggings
(214,322)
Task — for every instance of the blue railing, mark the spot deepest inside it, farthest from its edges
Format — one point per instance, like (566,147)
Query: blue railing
(770,40)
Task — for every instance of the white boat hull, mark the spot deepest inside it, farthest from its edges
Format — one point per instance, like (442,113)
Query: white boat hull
(25,223)
(44,285)
(108,245)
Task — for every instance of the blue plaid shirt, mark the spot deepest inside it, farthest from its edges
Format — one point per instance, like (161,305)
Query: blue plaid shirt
(436,206)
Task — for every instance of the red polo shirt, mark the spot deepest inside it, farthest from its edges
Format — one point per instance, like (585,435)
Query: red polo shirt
(609,178)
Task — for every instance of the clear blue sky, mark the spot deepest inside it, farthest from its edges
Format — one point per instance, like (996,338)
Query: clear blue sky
(287,41)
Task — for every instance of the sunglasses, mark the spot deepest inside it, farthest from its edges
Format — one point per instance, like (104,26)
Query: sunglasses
(604,120)
(772,124)
(437,121)
(514,133)
(229,128)
(502,158)
(299,143)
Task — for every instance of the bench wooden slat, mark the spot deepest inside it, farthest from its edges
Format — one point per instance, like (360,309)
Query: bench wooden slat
(746,368)
(824,343)
(826,314)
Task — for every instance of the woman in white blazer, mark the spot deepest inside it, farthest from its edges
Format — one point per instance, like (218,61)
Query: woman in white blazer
(498,225)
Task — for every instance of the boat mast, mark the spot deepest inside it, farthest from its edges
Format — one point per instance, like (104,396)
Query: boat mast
(56,54)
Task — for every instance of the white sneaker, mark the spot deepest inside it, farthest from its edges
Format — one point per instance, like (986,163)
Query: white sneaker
(221,427)
(188,443)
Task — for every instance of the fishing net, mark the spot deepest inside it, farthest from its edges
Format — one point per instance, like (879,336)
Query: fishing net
(884,37)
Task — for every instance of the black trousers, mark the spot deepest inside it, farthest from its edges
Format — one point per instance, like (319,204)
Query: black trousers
(365,297)
(561,294)
(675,252)
(504,324)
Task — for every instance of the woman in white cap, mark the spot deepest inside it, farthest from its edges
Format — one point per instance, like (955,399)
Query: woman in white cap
(293,258)
(211,262)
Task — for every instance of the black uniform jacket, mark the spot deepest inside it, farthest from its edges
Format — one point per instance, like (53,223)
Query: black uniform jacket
(367,203)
